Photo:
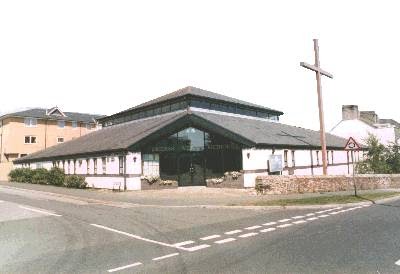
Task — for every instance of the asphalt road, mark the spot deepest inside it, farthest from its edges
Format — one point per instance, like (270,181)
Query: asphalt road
(40,233)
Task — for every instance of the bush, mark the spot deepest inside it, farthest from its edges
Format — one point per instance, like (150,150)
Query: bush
(75,181)
(40,176)
(21,175)
(56,176)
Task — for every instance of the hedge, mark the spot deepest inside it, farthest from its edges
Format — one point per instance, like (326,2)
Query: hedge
(42,176)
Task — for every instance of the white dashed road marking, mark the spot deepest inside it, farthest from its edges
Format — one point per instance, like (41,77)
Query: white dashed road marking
(323,216)
(284,220)
(195,248)
(334,213)
(300,222)
(210,237)
(397,263)
(183,243)
(310,214)
(233,232)
(285,225)
(312,219)
(270,223)
(253,227)
(165,257)
(248,235)
(297,217)
(225,241)
(268,229)
(40,211)
(124,267)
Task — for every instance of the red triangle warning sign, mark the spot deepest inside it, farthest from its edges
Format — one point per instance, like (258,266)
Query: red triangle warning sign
(352,145)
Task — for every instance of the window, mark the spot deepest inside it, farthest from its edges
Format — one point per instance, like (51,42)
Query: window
(60,139)
(87,166)
(95,165)
(151,164)
(30,122)
(88,126)
(74,166)
(327,157)
(332,157)
(317,152)
(285,159)
(104,164)
(74,124)
(293,159)
(69,167)
(121,164)
(80,163)
(61,124)
(30,139)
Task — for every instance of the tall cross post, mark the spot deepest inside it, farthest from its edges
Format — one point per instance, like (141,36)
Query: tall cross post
(318,72)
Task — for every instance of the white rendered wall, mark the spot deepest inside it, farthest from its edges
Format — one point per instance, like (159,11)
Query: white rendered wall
(360,131)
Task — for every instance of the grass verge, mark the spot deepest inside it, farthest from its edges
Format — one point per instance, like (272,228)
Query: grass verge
(324,200)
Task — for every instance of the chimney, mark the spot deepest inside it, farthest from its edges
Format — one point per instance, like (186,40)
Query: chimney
(350,112)
(370,116)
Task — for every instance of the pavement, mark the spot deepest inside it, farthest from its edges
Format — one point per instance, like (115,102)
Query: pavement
(46,232)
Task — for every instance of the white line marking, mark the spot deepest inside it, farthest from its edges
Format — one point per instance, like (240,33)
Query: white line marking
(312,219)
(268,229)
(300,222)
(397,263)
(323,216)
(40,211)
(298,217)
(310,214)
(366,205)
(233,232)
(197,247)
(284,220)
(165,257)
(183,243)
(124,267)
(253,227)
(225,241)
(270,223)
(136,236)
(285,225)
(210,237)
(334,213)
(248,235)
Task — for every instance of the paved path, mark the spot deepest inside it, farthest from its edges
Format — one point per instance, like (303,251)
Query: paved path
(40,235)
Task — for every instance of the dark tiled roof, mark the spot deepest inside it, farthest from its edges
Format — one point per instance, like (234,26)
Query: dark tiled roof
(389,121)
(193,91)
(123,136)
(41,113)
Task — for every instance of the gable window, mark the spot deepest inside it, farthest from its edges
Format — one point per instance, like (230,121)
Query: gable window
(60,139)
(285,158)
(74,124)
(30,122)
(61,124)
(293,159)
(30,139)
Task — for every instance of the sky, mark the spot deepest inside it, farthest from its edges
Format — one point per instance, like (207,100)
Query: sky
(106,56)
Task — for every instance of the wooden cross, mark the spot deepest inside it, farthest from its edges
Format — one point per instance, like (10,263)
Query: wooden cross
(318,72)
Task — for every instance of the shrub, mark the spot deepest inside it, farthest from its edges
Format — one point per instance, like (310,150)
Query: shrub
(21,175)
(56,176)
(40,176)
(75,181)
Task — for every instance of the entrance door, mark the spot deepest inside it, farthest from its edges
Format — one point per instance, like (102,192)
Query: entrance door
(191,169)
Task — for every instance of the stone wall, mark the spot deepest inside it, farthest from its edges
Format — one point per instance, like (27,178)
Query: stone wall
(145,185)
(310,184)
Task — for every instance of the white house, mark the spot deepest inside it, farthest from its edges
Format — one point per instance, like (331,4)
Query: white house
(359,124)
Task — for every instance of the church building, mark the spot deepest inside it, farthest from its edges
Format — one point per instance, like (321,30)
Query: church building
(192,137)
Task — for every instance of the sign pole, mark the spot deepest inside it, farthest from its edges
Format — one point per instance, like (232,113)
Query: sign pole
(352,146)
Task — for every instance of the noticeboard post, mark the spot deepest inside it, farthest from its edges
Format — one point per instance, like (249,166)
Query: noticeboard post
(352,146)
(275,163)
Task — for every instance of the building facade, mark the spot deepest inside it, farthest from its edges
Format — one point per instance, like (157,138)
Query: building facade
(360,124)
(192,137)
(26,132)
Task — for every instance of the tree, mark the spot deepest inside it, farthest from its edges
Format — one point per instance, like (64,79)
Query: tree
(378,158)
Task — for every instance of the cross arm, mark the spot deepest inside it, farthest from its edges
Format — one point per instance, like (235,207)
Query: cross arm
(316,69)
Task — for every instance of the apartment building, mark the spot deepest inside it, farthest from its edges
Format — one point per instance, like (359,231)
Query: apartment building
(28,131)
